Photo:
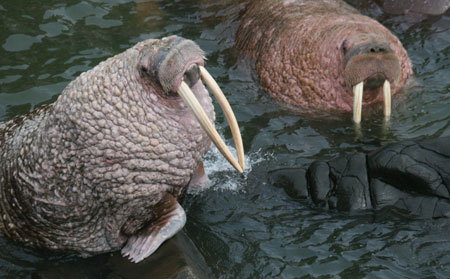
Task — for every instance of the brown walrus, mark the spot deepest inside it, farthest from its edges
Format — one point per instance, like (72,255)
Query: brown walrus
(322,55)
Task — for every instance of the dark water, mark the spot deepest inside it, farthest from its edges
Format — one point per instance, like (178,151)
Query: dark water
(243,226)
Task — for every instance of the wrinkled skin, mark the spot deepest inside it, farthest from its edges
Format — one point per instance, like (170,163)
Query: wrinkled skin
(86,173)
(309,54)
(410,175)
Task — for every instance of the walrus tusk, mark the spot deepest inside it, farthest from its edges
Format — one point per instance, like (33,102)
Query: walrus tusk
(231,119)
(357,101)
(387,99)
(191,101)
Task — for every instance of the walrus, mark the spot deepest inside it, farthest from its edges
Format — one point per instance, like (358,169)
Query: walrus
(106,165)
(322,55)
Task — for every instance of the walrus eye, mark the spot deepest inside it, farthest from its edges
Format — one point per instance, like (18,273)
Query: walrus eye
(144,71)
(192,75)
(344,47)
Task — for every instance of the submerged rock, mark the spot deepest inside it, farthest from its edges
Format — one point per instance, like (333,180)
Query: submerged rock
(410,175)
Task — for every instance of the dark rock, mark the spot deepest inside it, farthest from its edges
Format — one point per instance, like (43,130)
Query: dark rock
(412,176)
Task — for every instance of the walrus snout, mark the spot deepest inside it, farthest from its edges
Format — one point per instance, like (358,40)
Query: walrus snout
(366,48)
(169,62)
(369,64)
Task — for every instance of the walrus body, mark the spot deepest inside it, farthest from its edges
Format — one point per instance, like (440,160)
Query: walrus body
(107,162)
(310,55)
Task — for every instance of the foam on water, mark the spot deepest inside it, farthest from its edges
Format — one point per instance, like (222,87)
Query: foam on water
(221,173)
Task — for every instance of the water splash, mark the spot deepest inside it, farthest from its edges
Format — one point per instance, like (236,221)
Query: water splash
(222,176)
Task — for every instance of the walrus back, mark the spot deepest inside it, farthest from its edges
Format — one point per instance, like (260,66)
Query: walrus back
(15,132)
(15,135)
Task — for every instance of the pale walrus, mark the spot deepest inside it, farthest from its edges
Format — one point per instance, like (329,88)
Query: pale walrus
(103,168)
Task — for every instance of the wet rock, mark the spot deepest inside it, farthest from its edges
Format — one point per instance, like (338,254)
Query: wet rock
(293,181)
(410,175)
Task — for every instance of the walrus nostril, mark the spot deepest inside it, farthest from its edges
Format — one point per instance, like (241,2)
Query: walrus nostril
(378,49)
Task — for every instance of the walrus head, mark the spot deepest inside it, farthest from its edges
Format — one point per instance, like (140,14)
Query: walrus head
(177,67)
(370,64)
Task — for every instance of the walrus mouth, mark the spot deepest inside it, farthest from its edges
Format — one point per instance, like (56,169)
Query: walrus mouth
(370,65)
(191,101)
(358,90)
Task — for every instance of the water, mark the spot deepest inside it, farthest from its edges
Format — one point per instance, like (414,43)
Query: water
(243,226)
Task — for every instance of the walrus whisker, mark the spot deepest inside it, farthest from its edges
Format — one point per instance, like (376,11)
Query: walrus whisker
(191,101)
(226,108)
(357,101)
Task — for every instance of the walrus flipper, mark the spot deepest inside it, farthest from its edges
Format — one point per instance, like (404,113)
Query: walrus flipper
(169,219)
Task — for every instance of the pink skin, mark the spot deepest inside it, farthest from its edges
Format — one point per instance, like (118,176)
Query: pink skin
(298,51)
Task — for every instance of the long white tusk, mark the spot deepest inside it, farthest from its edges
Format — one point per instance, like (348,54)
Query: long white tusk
(231,119)
(357,101)
(191,101)
(387,98)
